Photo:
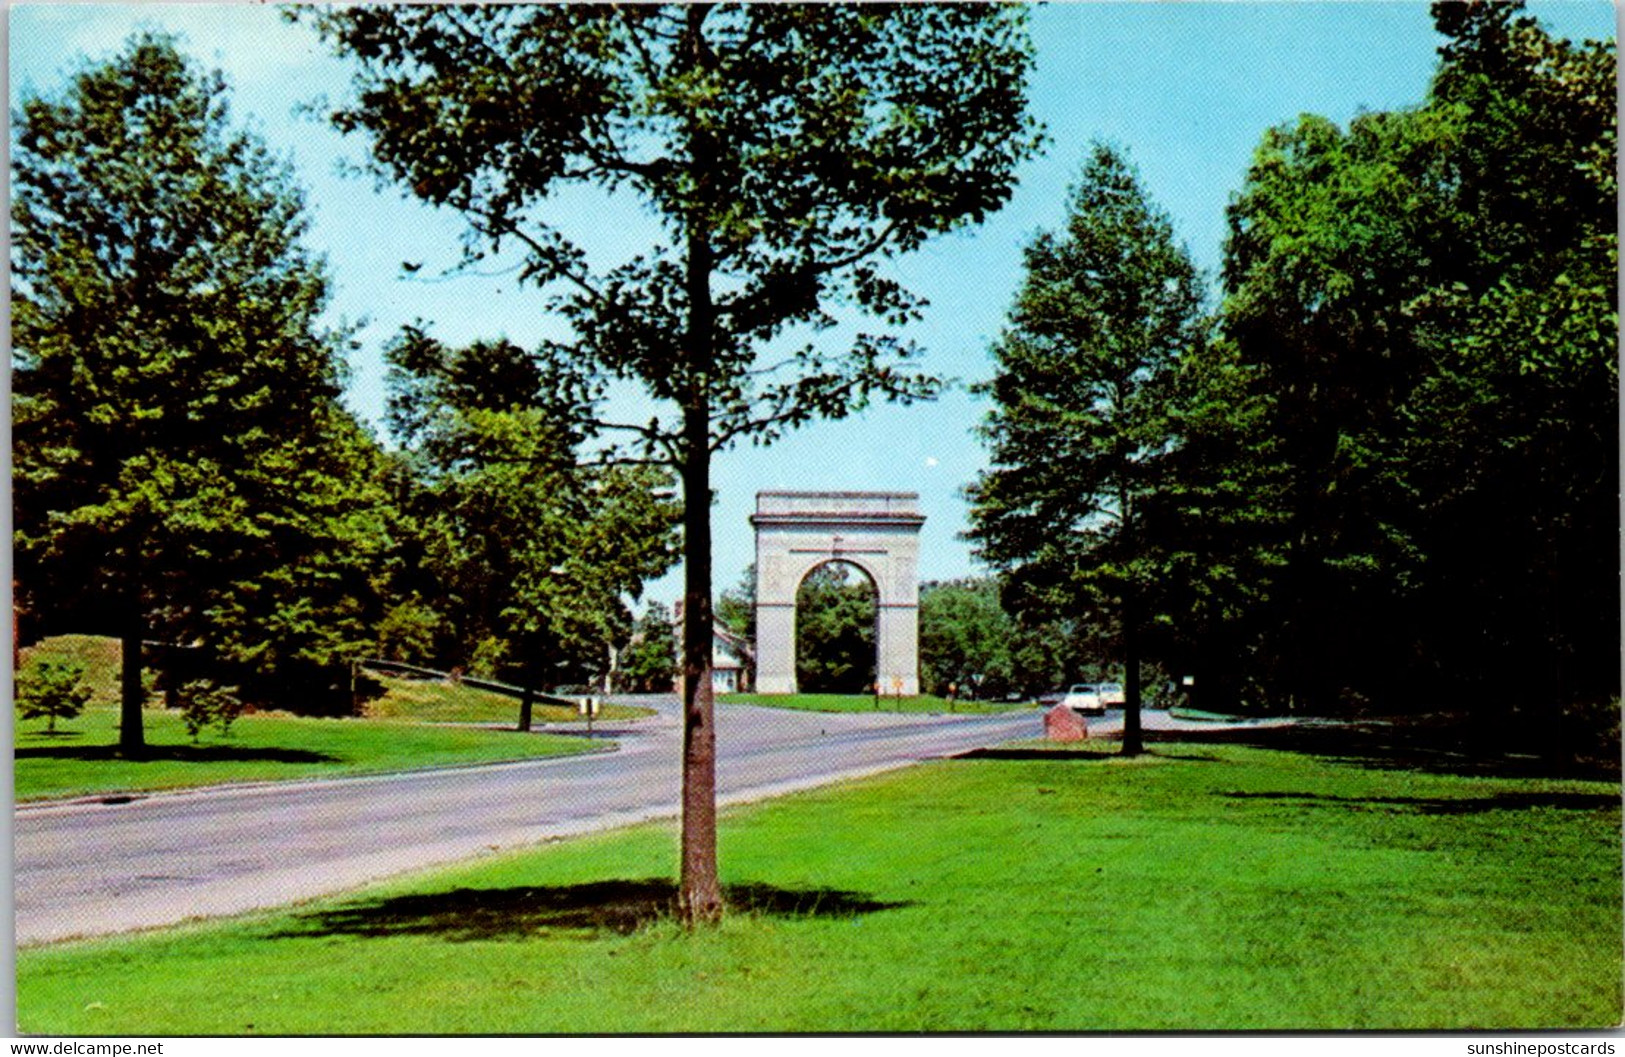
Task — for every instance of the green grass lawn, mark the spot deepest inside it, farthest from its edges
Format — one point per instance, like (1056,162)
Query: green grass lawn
(867,703)
(430,701)
(1208,887)
(405,729)
(80,758)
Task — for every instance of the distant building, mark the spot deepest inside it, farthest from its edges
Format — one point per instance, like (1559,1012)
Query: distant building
(731,657)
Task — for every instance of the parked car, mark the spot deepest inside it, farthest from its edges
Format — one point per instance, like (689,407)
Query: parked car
(1111,695)
(1084,698)
(1051,699)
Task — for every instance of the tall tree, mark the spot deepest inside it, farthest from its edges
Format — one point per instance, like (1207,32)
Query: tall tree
(172,387)
(1080,424)
(1517,444)
(1332,235)
(785,150)
(1426,305)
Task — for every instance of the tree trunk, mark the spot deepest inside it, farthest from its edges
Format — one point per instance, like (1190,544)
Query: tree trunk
(700,894)
(132,741)
(1129,620)
(699,891)
(525,703)
(1133,739)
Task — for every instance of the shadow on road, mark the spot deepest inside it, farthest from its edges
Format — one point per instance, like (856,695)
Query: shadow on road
(177,754)
(622,907)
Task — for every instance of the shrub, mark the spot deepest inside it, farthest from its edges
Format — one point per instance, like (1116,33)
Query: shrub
(53,689)
(205,703)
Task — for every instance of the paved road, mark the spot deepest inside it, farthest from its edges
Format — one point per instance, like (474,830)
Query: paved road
(90,869)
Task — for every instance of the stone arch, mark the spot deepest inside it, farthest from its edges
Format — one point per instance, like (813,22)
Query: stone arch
(876,531)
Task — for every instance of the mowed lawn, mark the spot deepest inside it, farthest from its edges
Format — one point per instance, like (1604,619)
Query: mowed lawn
(80,758)
(868,703)
(1203,888)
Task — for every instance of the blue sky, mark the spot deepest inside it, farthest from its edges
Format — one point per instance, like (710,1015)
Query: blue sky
(1185,88)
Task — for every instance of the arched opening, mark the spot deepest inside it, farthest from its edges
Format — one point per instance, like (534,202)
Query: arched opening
(836,615)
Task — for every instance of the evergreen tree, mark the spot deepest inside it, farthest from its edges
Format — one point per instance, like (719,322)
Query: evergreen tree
(53,689)
(1081,425)
(180,460)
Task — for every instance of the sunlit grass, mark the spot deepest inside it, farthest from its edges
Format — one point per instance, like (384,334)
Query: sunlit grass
(1199,888)
(79,759)
(435,701)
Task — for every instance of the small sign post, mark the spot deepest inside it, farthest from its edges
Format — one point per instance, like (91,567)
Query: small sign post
(588,706)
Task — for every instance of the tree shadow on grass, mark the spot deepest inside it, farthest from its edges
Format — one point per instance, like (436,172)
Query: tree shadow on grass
(176,754)
(620,907)
(1469,805)
(1044,755)
(1071,755)
(1437,748)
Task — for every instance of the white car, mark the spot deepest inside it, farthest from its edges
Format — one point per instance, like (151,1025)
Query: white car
(1085,698)
(1111,695)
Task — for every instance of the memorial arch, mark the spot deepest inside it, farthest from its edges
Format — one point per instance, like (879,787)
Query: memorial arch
(879,532)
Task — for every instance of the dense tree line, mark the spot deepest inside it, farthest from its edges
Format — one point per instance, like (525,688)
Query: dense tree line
(185,476)
(1382,473)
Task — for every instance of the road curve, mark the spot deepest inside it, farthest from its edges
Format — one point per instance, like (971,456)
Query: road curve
(95,868)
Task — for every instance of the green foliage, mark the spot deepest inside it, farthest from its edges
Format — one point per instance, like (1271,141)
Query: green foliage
(782,147)
(53,689)
(486,659)
(527,551)
(1390,480)
(408,631)
(649,662)
(207,704)
(1083,417)
(1424,308)
(835,631)
(736,607)
(183,469)
(967,641)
